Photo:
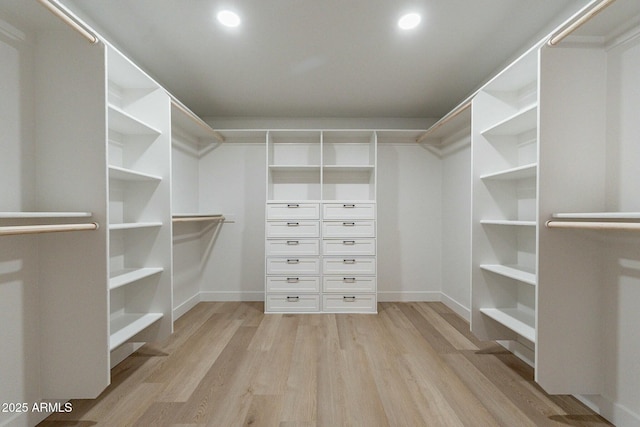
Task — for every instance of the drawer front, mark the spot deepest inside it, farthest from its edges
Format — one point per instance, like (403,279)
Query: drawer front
(343,284)
(347,228)
(293,211)
(333,211)
(293,228)
(292,266)
(349,303)
(292,247)
(293,303)
(349,247)
(293,284)
(349,266)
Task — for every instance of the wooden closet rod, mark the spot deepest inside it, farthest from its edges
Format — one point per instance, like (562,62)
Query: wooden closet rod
(62,14)
(595,225)
(196,119)
(558,37)
(39,229)
(444,120)
(199,218)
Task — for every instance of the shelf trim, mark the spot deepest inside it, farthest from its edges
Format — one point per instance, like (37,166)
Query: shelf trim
(507,317)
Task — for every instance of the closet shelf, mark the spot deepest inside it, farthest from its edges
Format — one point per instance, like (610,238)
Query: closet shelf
(517,272)
(44,215)
(598,215)
(348,168)
(116,172)
(520,172)
(518,321)
(130,275)
(125,123)
(294,168)
(516,124)
(134,225)
(127,325)
(508,222)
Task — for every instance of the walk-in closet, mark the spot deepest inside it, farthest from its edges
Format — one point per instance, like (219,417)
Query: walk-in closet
(292,213)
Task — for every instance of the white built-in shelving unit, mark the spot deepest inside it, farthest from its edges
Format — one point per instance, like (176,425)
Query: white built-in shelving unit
(321,221)
(139,150)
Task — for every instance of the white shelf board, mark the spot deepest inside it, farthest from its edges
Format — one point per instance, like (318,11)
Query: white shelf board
(133,225)
(125,326)
(598,215)
(196,215)
(125,123)
(516,124)
(116,172)
(130,275)
(508,222)
(517,272)
(294,168)
(518,321)
(348,168)
(27,215)
(513,174)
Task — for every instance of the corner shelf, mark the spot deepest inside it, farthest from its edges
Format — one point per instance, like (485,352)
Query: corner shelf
(126,325)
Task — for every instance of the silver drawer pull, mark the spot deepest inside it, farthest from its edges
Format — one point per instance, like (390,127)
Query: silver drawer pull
(349,299)
(293,261)
(293,224)
(349,261)
(293,299)
(293,242)
(349,242)
(349,279)
(293,279)
(293,205)
(349,224)
(348,206)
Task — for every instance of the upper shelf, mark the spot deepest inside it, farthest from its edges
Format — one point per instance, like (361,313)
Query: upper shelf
(598,215)
(41,215)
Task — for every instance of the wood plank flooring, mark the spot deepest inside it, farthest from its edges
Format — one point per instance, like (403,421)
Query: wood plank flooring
(412,364)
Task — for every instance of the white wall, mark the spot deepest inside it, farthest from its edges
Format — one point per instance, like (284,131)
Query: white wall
(456,228)
(409,223)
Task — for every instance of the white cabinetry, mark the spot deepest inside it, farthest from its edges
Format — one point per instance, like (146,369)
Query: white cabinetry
(320,229)
(138,117)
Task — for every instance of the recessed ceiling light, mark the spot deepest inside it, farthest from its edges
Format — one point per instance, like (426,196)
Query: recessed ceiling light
(228,18)
(409,21)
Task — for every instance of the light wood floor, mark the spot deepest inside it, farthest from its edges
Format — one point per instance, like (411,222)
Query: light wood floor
(413,364)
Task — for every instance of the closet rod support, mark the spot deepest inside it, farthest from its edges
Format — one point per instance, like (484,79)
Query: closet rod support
(50,228)
(56,9)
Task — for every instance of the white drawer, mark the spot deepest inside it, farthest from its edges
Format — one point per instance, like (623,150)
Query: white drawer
(292,247)
(291,266)
(349,266)
(293,302)
(349,247)
(293,211)
(294,229)
(339,229)
(357,303)
(293,284)
(349,284)
(348,211)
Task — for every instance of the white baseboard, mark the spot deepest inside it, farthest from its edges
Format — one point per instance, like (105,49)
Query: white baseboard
(231,296)
(616,413)
(186,306)
(408,296)
(454,305)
